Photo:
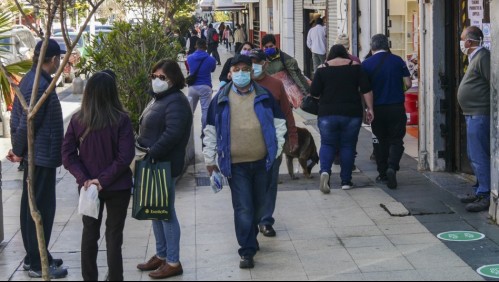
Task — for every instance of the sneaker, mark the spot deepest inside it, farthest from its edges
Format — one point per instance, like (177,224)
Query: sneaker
(391,175)
(55,263)
(468,198)
(246,262)
(481,204)
(325,183)
(346,185)
(54,273)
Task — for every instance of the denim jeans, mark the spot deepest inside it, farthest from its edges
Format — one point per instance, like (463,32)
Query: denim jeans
(318,60)
(339,132)
(478,137)
(248,186)
(271,197)
(200,93)
(167,235)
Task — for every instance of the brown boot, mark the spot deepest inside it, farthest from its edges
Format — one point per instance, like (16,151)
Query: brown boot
(166,271)
(152,264)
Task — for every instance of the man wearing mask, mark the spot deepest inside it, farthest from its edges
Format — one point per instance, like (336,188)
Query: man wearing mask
(275,86)
(49,132)
(246,131)
(474,98)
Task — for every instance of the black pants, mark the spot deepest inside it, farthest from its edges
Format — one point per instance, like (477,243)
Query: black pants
(237,46)
(389,126)
(44,188)
(213,50)
(116,206)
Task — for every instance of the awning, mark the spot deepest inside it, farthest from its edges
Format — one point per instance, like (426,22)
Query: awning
(245,1)
(228,5)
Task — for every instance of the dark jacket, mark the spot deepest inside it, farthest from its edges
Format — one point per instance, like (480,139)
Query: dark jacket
(104,154)
(49,128)
(225,71)
(165,128)
(192,44)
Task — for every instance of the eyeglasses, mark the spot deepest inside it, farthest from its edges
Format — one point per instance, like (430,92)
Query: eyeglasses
(160,76)
(245,69)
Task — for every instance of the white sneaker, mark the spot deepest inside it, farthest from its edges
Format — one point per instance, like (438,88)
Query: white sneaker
(325,183)
(346,185)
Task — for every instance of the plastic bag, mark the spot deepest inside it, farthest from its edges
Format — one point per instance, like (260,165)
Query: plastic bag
(89,203)
(216,181)
(295,94)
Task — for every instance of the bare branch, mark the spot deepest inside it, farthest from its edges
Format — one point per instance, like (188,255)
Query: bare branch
(18,5)
(92,4)
(64,28)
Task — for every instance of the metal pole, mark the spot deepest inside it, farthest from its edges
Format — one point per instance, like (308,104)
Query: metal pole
(354,9)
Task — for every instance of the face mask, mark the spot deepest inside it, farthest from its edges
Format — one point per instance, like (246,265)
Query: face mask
(257,70)
(241,78)
(270,51)
(246,52)
(159,85)
(463,48)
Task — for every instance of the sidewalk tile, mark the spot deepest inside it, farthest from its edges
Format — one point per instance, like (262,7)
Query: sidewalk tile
(446,273)
(404,275)
(370,241)
(429,255)
(411,239)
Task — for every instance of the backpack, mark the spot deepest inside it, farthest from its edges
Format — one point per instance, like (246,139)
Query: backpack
(215,37)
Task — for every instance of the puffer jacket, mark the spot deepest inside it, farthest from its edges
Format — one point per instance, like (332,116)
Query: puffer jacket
(165,128)
(49,125)
(217,130)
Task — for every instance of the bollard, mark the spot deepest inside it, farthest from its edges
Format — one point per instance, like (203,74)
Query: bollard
(78,84)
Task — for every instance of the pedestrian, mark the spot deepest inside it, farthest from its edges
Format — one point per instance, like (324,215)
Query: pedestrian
(164,131)
(276,88)
(221,30)
(228,38)
(97,150)
(246,131)
(201,90)
(245,49)
(344,40)
(317,43)
(280,61)
(337,85)
(474,98)
(388,73)
(238,37)
(212,41)
(190,46)
(49,135)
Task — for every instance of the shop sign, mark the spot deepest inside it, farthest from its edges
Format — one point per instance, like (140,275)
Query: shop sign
(475,9)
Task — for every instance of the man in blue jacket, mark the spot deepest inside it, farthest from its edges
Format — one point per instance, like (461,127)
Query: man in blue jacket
(49,132)
(245,129)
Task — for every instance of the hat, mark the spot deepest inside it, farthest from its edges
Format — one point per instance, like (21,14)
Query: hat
(241,59)
(53,49)
(258,54)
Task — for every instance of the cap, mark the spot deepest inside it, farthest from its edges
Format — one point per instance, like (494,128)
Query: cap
(241,59)
(258,54)
(53,49)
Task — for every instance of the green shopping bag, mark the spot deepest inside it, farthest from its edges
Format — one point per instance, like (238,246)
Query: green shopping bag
(152,187)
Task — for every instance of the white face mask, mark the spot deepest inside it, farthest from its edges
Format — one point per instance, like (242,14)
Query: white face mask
(159,85)
(463,48)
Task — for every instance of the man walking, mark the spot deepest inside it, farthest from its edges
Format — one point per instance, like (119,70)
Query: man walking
(388,74)
(317,43)
(212,38)
(48,142)
(246,131)
(474,98)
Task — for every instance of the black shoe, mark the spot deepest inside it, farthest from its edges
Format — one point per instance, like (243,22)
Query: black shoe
(391,175)
(481,204)
(55,263)
(54,273)
(246,263)
(21,167)
(267,231)
(382,179)
(468,198)
(354,168)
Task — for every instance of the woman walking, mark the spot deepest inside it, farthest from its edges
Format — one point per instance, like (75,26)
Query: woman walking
(164,131)
(337,84)
(97,150)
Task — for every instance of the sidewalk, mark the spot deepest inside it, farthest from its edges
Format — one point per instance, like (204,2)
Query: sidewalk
(345,235)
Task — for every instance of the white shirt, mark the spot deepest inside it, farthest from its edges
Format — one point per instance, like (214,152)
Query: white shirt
(474,53)
(316,40)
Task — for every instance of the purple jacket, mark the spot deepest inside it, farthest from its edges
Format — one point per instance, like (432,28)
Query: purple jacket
(104,154)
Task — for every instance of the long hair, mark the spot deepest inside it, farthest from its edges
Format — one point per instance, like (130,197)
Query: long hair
(338,51)
(101,106)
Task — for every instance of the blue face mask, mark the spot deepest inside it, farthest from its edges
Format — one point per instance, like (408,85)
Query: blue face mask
(257,70)
(270,51)
(241,78)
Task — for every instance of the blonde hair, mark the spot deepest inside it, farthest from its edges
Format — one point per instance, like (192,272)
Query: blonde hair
(344,40)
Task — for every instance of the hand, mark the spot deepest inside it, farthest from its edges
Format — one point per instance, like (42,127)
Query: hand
(368,116)
(211,169)
(13,158)
(96,183)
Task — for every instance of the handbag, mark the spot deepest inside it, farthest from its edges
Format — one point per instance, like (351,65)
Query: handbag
(153,185)
(191,79)
(310,105)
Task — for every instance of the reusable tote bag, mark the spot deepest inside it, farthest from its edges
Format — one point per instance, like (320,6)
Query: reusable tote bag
(152,187)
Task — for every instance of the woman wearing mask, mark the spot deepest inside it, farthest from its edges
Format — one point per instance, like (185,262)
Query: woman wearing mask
(337,85)
(246,48)
(164,131)
(97,150)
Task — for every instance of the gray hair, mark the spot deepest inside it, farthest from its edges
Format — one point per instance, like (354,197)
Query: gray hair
(379,42)
(474,33)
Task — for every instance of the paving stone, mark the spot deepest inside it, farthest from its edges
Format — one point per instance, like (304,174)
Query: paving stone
(395,209)
(404,275)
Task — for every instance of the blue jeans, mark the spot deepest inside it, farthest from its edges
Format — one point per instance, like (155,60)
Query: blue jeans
(478,137)
(271,198)
(167,234)
(248,185)
(201,93)
(339,132)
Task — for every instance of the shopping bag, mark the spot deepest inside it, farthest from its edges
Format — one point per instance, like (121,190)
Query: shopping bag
(310,105)
(152,187)
(294,93)
(89,203)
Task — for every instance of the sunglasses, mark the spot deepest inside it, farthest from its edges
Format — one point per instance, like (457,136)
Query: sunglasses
(160,76)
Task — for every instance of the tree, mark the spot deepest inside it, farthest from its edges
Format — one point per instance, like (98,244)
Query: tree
(167,8)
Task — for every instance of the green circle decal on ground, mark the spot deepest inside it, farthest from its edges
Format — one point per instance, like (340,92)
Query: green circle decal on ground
(491,271)
(461,236)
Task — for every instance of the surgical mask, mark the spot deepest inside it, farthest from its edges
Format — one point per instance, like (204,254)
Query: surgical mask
(241,78)
(257,70)
(270,51)
(463,48)
(245,52)
(159,85)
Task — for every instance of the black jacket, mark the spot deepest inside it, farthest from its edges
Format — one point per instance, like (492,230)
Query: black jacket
(165,128)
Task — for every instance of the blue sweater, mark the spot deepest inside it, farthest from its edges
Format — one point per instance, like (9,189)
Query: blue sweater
(204,74)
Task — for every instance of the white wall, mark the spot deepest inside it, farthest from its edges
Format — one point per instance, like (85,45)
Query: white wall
(494,133)
(298,34)
(288,27)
